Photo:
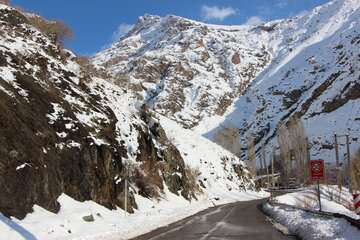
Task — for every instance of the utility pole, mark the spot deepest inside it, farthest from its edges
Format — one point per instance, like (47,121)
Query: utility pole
(348,161)
(337,161)
(262,160)
(307,167)
(126,193)
(265,165)
(272,167)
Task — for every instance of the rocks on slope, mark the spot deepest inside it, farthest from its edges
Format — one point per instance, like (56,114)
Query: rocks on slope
(305,65)
(183,69)
(314,74)
(62,131)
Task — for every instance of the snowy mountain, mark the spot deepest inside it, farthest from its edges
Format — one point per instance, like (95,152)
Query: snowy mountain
(66,131)
(183,69)
(150,110)
(314,74)
(215,78)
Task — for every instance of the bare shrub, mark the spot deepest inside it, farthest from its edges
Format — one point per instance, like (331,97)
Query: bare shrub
(192,175)
(355,171)
(299,146)
(284,144)
(89,70)
(6,2)
(55,29)
(293,145)
(146,185)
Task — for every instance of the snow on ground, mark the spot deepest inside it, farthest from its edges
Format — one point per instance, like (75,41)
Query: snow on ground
(304,57)
(214,163)
(332,200)
(311,226)
(108,225)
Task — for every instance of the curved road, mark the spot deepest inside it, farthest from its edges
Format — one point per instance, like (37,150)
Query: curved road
(241,220)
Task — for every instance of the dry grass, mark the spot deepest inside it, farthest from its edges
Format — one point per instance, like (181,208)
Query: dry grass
(56,29)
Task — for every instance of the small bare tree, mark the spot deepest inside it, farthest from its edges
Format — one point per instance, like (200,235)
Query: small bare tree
(355,172)
(55,29)
(251,156)
(6,2)
(299,145)
(285,153)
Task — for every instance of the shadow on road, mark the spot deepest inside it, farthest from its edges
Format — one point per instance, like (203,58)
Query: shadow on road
(16,227)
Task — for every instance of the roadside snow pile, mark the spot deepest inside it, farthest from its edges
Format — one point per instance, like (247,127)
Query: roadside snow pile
(332,200)
(311,226)
(89,220)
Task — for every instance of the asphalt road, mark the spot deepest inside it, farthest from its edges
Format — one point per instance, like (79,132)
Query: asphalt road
(241,220)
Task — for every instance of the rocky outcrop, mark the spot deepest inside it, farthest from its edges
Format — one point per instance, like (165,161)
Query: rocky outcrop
(59,135)
(190,70)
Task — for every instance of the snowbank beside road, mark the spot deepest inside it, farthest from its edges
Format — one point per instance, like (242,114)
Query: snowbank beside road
(309,225)
(332,200)
(221,184)
(69,224)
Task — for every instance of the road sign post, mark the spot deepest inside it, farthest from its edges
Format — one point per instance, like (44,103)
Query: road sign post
(317,174)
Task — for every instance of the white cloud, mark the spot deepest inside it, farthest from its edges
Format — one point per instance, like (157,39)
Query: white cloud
(123,29)
(254,20)
(216,12)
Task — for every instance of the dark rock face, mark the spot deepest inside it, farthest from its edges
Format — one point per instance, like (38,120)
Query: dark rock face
(165,163)
(37,165)
(235,58)
(46,146)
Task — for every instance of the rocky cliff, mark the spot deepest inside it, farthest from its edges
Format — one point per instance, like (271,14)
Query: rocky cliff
(65,130)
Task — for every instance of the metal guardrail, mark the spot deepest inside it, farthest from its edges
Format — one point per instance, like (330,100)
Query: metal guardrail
(352,221)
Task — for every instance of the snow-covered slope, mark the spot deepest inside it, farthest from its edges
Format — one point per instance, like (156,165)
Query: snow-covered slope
(65,131)
(69,139)
(183,69)
(315,74)
(314,226)
(211,78)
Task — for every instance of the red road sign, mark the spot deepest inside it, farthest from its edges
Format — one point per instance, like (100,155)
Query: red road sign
(357,203)
(317,170)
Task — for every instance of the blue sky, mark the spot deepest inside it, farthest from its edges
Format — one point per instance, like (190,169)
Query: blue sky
(96,23)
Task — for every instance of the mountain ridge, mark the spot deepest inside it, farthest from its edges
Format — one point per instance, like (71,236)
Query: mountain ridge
(208,81)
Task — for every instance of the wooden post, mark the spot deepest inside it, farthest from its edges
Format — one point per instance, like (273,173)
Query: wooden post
(319,198)
(348,161)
